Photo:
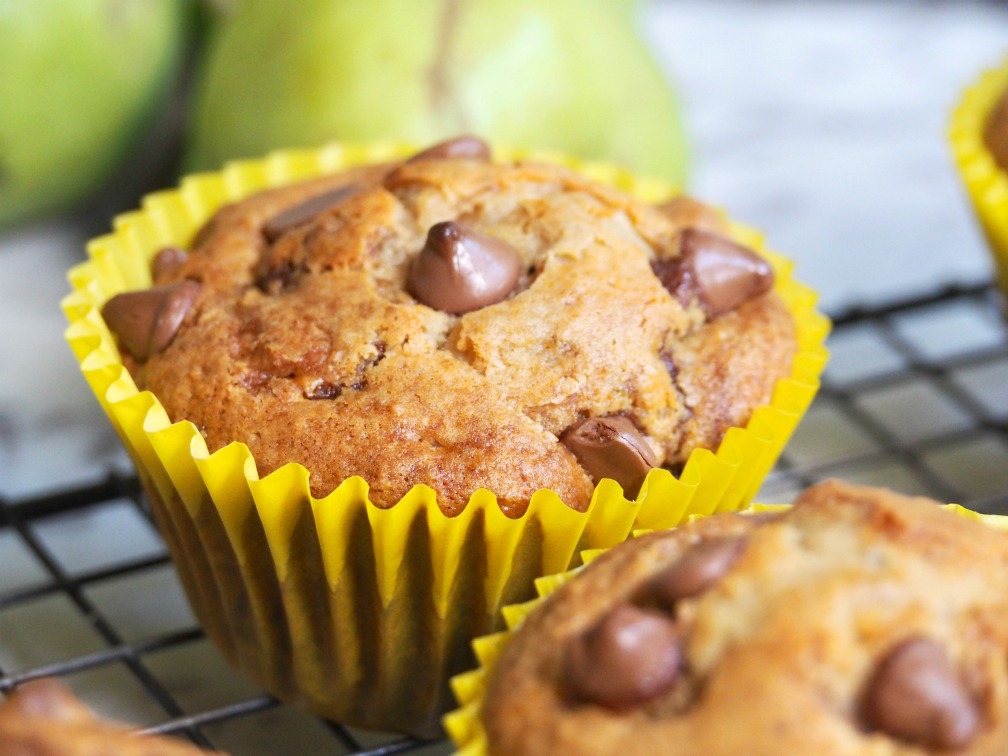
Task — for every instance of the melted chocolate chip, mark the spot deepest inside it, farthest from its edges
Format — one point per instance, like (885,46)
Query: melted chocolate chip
(304,211)
(696,570)
(380,348)
(460,270)
(462,147)
(324,390)
(167,261)
(915,695)
(274,278)
(146,321)
(611,447)
(631,656)
(689,213)
(714,270)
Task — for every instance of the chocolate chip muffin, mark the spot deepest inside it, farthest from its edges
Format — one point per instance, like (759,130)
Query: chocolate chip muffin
(859,621)
(995,134)
(461,323)
(43,718)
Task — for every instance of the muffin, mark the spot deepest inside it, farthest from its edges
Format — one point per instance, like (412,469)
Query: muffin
(859,621)
(453,373)
(463,324)
(979,138)
(43,718)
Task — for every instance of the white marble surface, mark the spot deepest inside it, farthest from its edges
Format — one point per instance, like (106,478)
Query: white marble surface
(52,432)
(821,123)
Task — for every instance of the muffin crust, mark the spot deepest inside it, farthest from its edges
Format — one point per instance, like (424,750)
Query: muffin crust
(305,343)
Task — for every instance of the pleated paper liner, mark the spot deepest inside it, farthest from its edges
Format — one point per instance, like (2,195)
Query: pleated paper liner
(986,183)
(362,613)
(464,725)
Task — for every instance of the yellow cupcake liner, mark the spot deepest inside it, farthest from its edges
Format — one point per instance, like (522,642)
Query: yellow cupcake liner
(463,724)
(986,183)
(358,612)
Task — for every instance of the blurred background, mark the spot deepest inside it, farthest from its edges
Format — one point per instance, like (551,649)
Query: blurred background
(822,123)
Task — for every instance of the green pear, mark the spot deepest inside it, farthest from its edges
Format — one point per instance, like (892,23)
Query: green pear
(79,81)
(569,75)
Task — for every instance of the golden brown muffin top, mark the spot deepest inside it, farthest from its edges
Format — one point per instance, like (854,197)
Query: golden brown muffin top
(857,622)
(43,718)
(460,323)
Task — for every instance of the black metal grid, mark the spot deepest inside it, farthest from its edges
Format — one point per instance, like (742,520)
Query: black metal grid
(918,391)
(948,350)
(23,517)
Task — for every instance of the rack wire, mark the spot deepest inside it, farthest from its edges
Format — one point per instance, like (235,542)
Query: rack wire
(915,397)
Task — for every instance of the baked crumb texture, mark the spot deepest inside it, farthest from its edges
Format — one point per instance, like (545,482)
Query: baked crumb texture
(995,132)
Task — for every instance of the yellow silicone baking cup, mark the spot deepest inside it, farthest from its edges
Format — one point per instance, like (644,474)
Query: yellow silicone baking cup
(986,183)
(464,725)
(362,613)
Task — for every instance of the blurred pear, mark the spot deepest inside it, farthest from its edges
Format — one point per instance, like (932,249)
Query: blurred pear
(569,75)
(79,81)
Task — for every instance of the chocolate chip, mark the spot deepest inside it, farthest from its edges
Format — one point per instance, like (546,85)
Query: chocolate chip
(460,270)
(146,321)
(324,390)
(631,656)
(462,147)
(44,698)
(611,447)
(696,570)
(714,270)
(167,261)
(670,365)
(304,211)
(915,695)
(687,212)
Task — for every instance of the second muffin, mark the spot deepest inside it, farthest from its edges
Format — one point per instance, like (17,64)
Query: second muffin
(857,622)
(979,139)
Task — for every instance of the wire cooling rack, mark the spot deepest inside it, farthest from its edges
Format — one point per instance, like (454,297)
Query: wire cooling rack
(915,398)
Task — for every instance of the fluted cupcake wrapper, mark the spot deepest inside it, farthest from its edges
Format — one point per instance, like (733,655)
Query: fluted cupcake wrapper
(363,613)
(464,725)
(986,183)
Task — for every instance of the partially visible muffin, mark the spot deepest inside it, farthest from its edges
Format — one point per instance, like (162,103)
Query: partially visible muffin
(857,622)
(43,718)
(978,136)
(995,133)
(461,323)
